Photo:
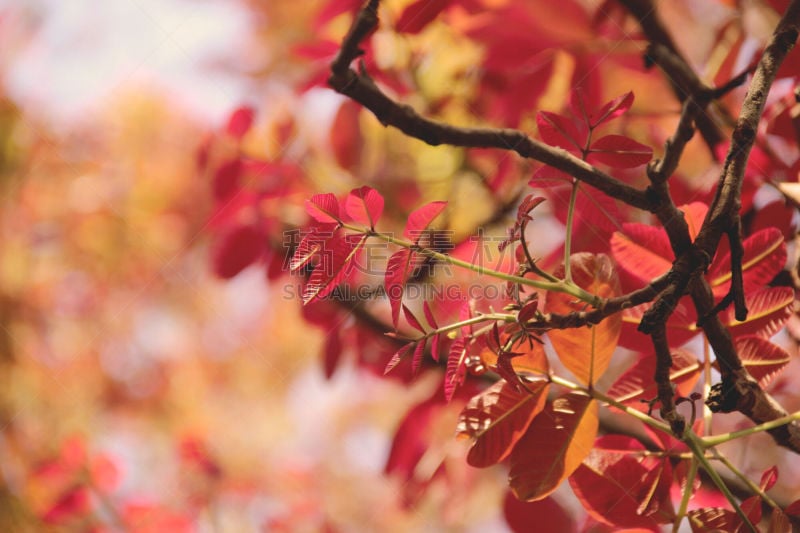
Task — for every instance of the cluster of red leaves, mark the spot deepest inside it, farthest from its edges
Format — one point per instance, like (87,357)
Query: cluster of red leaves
(74,491)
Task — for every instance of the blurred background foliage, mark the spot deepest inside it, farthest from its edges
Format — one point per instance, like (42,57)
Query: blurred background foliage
(138,390)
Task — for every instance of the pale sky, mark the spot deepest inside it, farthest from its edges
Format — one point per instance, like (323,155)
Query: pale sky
(85,50)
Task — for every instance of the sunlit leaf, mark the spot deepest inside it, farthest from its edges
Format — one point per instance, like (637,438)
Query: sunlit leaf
(764,257)
(612,109)
(323,208)
(642,252)
(364,205)
(768,310)
(420,219)
(498,417)
(586,351)
(762,359)
(556,442)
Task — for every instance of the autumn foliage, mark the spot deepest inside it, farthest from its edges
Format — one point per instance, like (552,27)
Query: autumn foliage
(565,233)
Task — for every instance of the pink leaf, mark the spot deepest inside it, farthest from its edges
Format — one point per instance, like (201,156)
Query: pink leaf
(420,219)
(419,352)
(769,478)
(323,208)
(399,267)
(435,347)
(240,121)
(619,151)
(310,248)
(364,205)
(560,131)
(336,264)
(612,109)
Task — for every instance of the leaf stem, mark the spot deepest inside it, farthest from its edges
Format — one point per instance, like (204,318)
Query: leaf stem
(697,446)
(746,480)
(597,395)
(766,426)
(566,287)
(687,495)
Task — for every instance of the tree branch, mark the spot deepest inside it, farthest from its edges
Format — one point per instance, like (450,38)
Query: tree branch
(362,89)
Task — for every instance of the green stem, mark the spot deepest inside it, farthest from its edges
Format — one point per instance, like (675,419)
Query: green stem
(746,480)
(766,426)
(687,495)
(568,238)
(649,420)
(494,317)
(566,287)
(697,446)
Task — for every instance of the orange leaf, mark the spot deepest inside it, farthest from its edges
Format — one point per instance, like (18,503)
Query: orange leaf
(533,359)
(498,417)
(556,442)
(586,351)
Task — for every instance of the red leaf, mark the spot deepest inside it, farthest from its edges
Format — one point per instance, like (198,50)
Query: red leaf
(419,353)
(619,151)
(238,248)
(456,369)
(364,205)
(638,382)
(768,311)
(410,444)
(556,442)
(769,478)
(764,257)
(226,179)
(612,109)
(436,347)
(324,208)
(312,246)
(642,252)
(621,489)
(498,417)
(240,121)
(560,131)
(547,514)
(336,264)
(399,267)
(420,219)
(762,359)
(397,357)
(419,14)
(332,352)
